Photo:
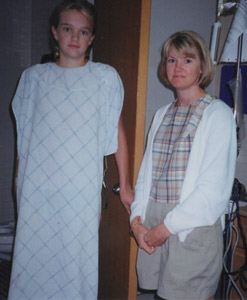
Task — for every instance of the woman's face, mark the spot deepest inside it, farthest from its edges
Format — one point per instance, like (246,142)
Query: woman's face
(183,72)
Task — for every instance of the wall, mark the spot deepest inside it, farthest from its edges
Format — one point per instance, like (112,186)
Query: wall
(12,61)
(167,17)
(241,166)
(24,28)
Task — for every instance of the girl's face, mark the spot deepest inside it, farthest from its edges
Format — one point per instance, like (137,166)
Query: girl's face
(183,72)
(74,36)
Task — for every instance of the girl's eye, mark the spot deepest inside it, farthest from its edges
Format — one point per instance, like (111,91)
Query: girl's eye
(84,32)
(66,29)
(188,60)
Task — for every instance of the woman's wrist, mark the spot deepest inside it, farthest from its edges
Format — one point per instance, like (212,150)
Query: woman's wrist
(135,223)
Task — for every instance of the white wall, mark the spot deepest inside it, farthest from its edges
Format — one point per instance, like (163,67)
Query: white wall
(23,48)
(24,30)
(241,169)
(167,17)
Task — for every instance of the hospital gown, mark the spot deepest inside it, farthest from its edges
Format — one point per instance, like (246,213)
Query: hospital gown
(67,120)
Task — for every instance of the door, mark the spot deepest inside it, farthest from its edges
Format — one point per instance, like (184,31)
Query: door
(122,41)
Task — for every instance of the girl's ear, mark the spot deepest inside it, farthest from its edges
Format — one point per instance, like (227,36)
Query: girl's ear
(91,40)
(54,31)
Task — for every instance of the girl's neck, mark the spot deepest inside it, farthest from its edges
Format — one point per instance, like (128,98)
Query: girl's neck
(71,63)
(188,98)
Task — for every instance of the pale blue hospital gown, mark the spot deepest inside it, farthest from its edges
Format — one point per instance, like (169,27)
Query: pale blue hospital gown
(67,120)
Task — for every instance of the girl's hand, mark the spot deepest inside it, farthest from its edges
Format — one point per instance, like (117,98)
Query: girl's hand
(139,232)
(156,236)
(126,197)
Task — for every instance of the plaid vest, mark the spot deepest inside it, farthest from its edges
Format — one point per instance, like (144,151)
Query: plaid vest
(171,149)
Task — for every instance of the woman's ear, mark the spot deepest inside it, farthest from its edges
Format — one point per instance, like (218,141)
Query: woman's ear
(54,32)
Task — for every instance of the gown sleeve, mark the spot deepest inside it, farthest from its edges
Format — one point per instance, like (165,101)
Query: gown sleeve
(17,104)
(114,107)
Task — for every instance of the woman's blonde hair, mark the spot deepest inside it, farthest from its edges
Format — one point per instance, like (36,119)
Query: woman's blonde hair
(191,44)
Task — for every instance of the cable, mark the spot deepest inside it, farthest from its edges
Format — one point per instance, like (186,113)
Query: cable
(228,245)
(231,281)
(228,230)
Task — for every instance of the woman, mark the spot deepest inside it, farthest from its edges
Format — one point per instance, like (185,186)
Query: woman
(185,179)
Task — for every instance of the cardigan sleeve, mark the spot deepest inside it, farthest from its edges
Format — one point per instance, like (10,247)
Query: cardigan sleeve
(214,159)
(144,179)
(138,206)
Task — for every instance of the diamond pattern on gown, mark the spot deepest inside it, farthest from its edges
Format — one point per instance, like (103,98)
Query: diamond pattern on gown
(67,120)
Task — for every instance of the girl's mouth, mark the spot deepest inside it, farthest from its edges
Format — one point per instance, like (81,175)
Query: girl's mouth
(74,46)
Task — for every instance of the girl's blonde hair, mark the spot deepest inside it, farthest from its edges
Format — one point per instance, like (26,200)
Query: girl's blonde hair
(84,7)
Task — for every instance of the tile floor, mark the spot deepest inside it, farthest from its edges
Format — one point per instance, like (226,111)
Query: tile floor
(5,267)
(145,296)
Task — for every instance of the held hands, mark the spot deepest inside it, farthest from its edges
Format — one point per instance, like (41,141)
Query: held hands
(139,232)
(149,239)
(157,235)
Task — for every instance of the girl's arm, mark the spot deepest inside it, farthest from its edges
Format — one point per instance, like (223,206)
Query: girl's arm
(122,159)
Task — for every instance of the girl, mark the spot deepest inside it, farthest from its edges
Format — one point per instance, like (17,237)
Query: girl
(67,115)
(185,179)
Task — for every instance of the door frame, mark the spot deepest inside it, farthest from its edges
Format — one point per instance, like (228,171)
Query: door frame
(140,124)
(128,53)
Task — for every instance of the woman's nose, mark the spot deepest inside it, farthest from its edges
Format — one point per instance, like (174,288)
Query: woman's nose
(177,65)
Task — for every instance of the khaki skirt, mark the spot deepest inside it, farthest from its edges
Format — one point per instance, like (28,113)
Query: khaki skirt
(188,270)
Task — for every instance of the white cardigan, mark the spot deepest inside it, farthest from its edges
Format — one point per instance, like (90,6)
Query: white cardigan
(208,181)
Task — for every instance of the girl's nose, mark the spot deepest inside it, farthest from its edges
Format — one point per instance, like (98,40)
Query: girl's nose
(75,35)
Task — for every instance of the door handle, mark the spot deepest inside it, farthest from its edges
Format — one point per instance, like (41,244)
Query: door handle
(116,189)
